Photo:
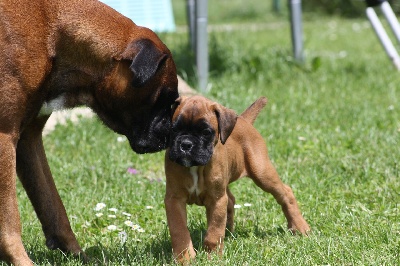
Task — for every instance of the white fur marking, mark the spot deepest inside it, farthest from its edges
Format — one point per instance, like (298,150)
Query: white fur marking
(195,176)
(53,105)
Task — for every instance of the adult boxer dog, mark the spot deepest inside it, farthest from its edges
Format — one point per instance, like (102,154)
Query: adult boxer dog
(211,147)
(58,54)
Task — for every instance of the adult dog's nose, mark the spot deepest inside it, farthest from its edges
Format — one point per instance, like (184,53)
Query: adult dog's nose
(186,145)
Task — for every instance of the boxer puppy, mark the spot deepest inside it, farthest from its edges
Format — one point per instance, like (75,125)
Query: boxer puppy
(57,54)
(211,147)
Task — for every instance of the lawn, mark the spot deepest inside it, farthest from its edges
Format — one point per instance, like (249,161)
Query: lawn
(332,126)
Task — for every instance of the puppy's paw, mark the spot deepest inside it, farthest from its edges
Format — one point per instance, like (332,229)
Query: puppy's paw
(185,257)
(299,227)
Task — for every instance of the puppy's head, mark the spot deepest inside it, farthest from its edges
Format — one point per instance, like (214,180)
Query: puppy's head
(198,124)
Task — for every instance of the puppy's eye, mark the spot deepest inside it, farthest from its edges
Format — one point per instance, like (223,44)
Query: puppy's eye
(206,132)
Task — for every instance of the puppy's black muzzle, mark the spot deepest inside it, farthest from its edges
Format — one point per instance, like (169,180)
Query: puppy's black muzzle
(186,145)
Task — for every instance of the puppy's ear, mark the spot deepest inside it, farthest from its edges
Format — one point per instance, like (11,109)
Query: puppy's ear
(226,121)
(176,104)
(146,60)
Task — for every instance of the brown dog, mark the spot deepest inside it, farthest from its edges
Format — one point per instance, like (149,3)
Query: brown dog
(59,54)
(211,147)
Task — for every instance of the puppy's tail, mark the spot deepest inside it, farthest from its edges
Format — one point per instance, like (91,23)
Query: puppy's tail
(250,114)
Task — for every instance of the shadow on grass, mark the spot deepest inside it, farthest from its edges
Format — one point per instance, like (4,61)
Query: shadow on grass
(154,251)
(45,256)
(246,232)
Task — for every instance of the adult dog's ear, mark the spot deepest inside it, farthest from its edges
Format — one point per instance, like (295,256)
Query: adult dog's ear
(146,60)
(226,121)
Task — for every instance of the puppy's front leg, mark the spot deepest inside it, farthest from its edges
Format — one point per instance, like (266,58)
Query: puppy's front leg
(216,207)
(231,211)
(177,223)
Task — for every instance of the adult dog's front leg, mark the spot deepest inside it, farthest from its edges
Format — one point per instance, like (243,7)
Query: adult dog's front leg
(11,248)
(34,173)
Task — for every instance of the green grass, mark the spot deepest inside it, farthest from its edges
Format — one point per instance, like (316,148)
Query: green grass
(333,132)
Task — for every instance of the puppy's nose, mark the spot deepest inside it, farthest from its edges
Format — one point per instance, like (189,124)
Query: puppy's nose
(186,145)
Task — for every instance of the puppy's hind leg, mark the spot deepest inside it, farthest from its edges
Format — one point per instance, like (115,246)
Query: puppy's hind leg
(266,177)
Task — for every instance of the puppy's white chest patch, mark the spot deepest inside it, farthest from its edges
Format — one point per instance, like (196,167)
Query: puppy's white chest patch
(195,175)
(53,105)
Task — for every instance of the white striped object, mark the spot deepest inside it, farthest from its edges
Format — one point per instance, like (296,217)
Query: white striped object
(156,15)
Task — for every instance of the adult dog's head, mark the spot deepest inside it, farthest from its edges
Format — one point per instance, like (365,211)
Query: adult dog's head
(136,97)
(198,124)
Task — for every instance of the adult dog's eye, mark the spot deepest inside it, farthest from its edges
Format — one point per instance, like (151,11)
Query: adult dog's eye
(206,132)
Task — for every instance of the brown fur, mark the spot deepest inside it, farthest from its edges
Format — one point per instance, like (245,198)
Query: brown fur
(82,50)
(243,154)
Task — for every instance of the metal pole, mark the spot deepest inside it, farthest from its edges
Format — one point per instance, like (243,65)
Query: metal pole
(391,18)
(191,16)
(202,43)
(296,29)
(383,37)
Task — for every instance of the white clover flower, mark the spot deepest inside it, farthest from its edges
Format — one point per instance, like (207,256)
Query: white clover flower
(113,209)
(112,227)
(86,224)
(237,206)
(99,206)
(140,230)
(128,223)
(121,139)
(247,204)
(149,207)
(126,214)
(135,227)
(112,216)
(99,214)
